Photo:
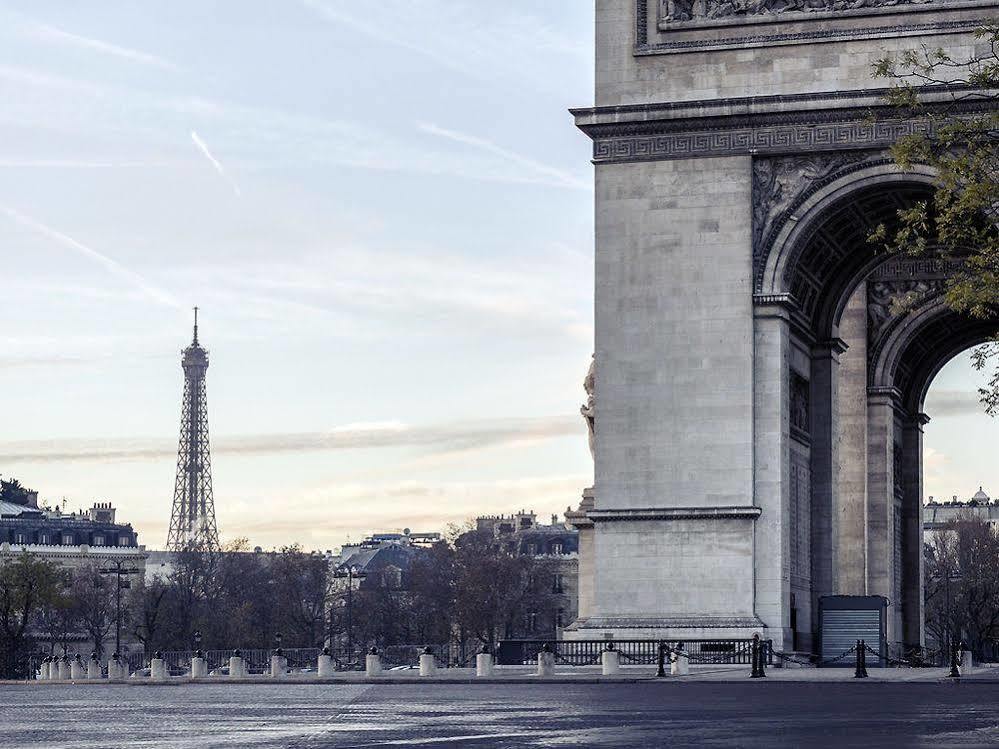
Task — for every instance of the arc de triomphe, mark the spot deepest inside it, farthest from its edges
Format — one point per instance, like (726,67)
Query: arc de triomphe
(759,398)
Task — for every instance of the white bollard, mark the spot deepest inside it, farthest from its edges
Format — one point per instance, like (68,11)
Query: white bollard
(199,667)
(64,668)
(157,669)
(325,666)
(93,668)
(679,663)
(279,666)
(116,670)
(484,664)
(965,662)
(428,666)
(546,663)
(43,671)
(610,662)
(76,670)
(373,663)
(236,667)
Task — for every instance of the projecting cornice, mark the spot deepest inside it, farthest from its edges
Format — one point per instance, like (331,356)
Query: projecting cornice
(748,512)
(761,125)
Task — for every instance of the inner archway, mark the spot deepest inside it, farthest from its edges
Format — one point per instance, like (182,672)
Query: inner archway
(867,334)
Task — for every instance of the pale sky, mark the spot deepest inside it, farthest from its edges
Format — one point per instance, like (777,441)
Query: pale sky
(385,214)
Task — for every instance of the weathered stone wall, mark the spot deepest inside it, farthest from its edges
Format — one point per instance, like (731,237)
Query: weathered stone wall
(758,65)
(674,334)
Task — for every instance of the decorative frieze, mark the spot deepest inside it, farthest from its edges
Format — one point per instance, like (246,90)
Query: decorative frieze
(676,26)
(673,13)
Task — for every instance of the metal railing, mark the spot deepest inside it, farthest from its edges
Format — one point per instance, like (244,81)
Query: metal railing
(637,652)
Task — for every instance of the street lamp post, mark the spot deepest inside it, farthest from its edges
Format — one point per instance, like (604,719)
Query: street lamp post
(950,575)
(118,570)
(350,572)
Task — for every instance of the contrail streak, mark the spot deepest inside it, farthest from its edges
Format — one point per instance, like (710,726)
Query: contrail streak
(558,176)
(112,266)
(203,147)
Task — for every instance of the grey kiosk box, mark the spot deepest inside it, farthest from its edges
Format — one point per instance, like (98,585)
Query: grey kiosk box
(845,619)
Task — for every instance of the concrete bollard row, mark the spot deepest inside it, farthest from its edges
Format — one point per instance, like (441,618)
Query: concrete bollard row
(157,668)
(116,669)
(93,667)
(372,663)
(76,670)
(610,661)
(428,666)
(279,665)
(237,669)
(199,667)
(679,663)
(546,662)
(325,666)
(484,663)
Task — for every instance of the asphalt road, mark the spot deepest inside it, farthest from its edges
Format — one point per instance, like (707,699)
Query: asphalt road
(749,714)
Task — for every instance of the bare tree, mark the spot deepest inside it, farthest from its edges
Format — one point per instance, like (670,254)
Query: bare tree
(93,599)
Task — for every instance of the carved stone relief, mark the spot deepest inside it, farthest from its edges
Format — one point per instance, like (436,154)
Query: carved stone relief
(780,182)
(589,409)
(888,300)
(800,419)
(900,286)
(672,12)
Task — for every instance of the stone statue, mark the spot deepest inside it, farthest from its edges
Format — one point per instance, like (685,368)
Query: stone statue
(588,409)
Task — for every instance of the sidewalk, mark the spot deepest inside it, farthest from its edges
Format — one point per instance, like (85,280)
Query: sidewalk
(577,675)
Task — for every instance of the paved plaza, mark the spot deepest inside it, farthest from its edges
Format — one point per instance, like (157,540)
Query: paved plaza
(774,713)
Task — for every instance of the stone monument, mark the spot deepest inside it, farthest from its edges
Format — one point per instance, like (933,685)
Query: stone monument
(762,368)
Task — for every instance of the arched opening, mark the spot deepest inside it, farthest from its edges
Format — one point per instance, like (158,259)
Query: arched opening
(866,333)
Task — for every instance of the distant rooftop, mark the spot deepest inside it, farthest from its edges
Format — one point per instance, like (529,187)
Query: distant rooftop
(978,498)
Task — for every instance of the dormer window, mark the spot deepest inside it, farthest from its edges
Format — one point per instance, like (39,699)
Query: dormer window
(67,539)
(98,540)
(557,547)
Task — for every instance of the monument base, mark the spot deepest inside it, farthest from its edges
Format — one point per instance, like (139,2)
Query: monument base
(665,628)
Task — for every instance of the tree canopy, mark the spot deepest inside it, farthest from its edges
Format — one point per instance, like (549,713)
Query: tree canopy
(958,100)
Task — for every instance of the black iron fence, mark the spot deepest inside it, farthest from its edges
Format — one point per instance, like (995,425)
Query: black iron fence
(637,652)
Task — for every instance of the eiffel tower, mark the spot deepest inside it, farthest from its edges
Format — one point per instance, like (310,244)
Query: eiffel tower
(192,521)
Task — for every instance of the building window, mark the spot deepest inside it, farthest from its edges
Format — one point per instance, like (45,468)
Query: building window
(532,549)
(124,541)
(557,547)
(98,540)
(43,538)
(67,540)
(532,621)
(558,583)
(560,618)
(20,538)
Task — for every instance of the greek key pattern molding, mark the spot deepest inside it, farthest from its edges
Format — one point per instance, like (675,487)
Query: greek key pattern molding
(861,133)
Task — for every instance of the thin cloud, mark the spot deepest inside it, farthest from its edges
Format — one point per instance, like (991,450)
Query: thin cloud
(112,266)
(438,438)
(77,164)
(46,33)
(203,147)
(945,403)
(559,176)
